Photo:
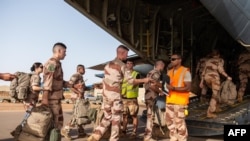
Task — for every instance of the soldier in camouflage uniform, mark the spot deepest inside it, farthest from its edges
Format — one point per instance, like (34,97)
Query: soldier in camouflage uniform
(178,99)
(151,93)
(199,69)
(114,73)
(53,84)
(76,78)
(211,77)
(244,73)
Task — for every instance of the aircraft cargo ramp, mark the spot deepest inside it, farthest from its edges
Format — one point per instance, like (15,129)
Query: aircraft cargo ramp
(199,125)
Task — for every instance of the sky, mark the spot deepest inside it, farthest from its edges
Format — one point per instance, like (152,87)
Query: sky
(30,28)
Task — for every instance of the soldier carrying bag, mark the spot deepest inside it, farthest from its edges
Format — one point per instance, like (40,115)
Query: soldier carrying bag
(228,92)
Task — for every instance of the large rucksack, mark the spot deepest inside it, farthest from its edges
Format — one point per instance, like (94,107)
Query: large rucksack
(228,92)
(36,126)
(81,110)
(20,86)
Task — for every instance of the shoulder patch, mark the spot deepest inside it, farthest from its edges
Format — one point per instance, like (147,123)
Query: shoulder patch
(51,67)
(155,76)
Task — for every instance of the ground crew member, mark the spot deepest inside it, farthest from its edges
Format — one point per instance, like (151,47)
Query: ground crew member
(244,73)
(151,93)
(7,76)
(129,98)
(178,99)
(211,76)
(53,84)
(114,74)
(76,78)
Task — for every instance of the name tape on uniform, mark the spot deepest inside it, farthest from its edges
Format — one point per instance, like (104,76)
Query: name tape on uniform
(241,132)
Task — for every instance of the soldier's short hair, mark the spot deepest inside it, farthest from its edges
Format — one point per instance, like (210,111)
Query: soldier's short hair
(123,47)
(159,61)
(177,54)
(79,66)
(59,44)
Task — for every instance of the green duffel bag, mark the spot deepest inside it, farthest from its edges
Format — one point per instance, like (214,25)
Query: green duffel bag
(55,135)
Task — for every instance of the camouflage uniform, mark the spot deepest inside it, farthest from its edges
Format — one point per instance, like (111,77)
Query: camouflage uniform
(200,66)
(244,73)
(53,81)
(112,103)
(211,74)
(32,98)
(76,78)
(150,97)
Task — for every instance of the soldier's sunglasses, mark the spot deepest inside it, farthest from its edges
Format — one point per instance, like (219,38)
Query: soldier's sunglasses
(173,59)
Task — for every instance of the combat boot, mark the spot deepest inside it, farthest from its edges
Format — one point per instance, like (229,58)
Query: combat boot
(65,133)
(91,138)
(218,109)
(240,99)
(211,115)
(81,133)
(203,99)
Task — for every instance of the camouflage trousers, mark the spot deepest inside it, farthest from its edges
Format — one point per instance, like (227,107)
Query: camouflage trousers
(175,120)
(112,116)
(212,82)
(243,76)
(130,108)
(150,118)
(56,108)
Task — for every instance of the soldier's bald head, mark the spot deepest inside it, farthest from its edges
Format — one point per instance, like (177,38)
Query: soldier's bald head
(159,62)
(122,52)
(121,48)
(57,46)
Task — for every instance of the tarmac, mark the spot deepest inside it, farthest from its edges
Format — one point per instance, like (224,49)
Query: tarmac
(11,115)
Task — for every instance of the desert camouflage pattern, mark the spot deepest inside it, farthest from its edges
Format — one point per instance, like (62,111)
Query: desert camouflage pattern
(56,108)
(200,66)
(244,73)
(53,78)
(53,81)
(130,106)
(77,78)
(175,119)
(150,97)
(32,98)
(211,74)
(112,103)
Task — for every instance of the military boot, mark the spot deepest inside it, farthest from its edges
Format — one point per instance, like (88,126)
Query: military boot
(211,114)
(65,133)
(81,133)
(91,138)
(203,99)
(218,109)
(240,98)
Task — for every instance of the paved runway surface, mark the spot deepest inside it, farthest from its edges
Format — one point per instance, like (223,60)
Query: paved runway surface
(12,114)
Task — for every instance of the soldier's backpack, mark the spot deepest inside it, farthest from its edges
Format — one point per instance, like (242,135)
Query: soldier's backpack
(20,86)
(38,125)
(228,92)
(81,110)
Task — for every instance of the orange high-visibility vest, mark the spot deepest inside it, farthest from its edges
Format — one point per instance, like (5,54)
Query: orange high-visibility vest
(177,80)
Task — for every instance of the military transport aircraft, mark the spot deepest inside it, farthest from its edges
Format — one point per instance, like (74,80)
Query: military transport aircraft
(154,29)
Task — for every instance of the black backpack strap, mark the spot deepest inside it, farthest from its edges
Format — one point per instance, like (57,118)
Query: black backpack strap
(156,111)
